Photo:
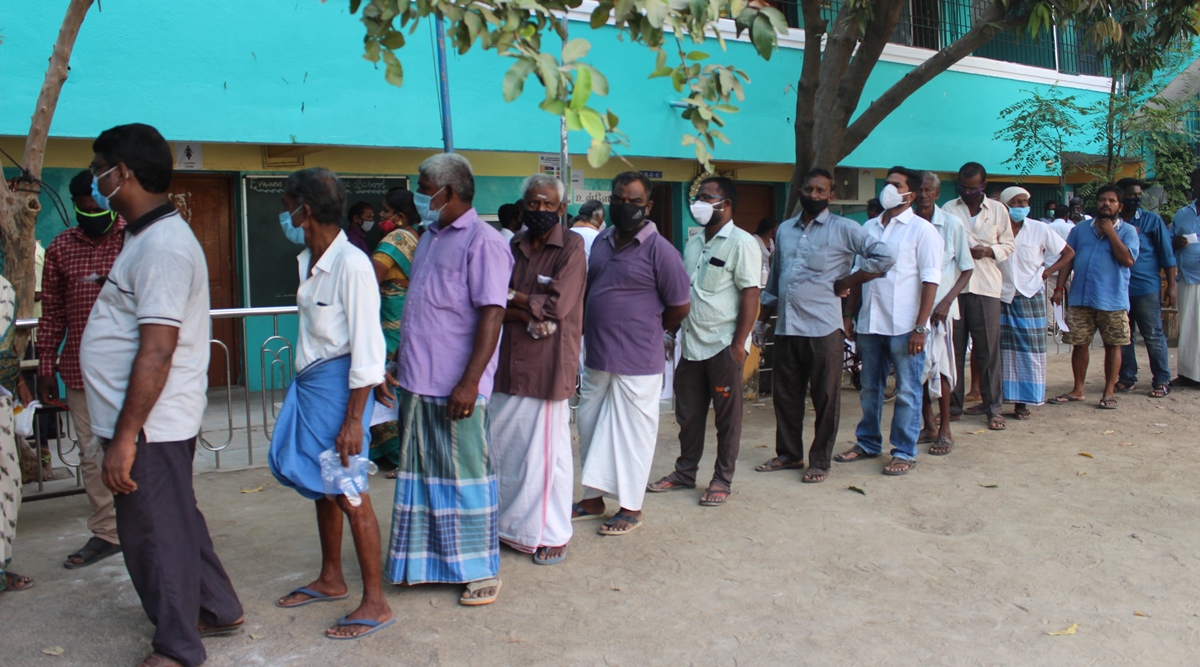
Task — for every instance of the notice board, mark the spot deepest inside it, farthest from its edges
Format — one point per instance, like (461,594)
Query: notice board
(269,258)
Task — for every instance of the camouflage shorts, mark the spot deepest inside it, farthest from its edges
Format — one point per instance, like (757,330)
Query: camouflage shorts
(1084,321)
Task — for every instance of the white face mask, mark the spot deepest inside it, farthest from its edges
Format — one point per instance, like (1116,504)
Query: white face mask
(890,197)
(367,225)
(702,211)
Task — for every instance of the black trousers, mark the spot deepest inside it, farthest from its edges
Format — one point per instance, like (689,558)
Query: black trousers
(804,364)
(169,553)
(981,321)
(717,379)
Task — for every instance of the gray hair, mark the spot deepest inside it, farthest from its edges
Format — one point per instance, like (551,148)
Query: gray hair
(321,190)
(930,176)
(450,169)
(542,181)
(592,210)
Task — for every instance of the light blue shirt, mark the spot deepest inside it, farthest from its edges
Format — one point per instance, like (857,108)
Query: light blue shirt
(1154,253)
(1187,221)
(1100,281)
(806,263)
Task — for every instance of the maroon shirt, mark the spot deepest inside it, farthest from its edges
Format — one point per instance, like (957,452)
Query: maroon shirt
(628,290)
(554,279)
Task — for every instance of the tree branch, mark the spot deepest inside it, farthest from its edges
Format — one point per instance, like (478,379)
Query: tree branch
(56,75)
(988,26)
(838,49)
(810,80)
(875,38)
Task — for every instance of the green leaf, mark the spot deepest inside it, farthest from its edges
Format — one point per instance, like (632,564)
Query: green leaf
(582,90)
(598,153)
(573,123)
(514,79)
(660,59)
(371,51)
(736,7)
(778,20)
(575,49)
(354,6)
(719,135)
(696,55)
(660,72)
(599,81)
(394,74)
(592,123)
(548,72)
(554,106)
(726,108)
(612,119)
(600,15)
(763,36)
(393,40)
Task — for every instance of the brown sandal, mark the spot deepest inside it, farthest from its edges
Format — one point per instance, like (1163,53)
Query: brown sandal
(779,464)
(814,476)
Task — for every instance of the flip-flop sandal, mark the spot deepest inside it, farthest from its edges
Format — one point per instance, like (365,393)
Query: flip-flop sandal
(777,464)
(927,440)
(1125,387)
(862,455)
(1160,391)
(313,596)
(94,551)
(1108,403)
(942,447)
(633,524)
(345,622)
(207,631)
(392,474)
(665,484)
(549,561)
(975,410)
(888,470)
(997,424)
(17,582)
(1063,398)
(709,499)
(814,476)
(1022,414)
(580,514)
(473,586)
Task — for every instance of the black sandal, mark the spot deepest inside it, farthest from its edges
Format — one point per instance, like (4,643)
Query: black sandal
(1160,390)
(942,447)
(93,552)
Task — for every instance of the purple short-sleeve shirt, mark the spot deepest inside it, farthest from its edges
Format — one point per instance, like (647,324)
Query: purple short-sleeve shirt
(628,290)
(457,269)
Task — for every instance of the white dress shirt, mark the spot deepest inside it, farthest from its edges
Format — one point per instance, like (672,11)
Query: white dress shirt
(1022,271)
(339,312)
(891,302)
(991,228)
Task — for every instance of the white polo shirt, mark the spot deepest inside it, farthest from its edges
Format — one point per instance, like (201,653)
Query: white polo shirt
(1022,271)
(890,303)
(160,277)
(339,312)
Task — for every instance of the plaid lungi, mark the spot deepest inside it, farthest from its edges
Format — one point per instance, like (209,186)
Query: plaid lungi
(1023,349)
(447,501)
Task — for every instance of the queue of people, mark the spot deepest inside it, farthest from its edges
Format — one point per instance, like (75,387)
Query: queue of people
(448,352)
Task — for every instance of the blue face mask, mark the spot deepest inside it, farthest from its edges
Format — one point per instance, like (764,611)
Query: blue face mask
(292,232)
(100,199)
(428,216)
(1018,213)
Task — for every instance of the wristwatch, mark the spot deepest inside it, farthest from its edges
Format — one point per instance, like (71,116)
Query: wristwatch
(512,294)
(921,329)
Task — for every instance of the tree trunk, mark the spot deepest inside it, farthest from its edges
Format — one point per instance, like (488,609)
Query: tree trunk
(19,206)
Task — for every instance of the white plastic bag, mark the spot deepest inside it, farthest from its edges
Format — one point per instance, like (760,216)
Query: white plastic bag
(23,420)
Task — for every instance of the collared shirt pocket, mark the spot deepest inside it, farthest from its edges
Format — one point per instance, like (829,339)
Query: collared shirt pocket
(713,274)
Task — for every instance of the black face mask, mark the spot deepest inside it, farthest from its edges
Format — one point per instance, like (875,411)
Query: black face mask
(813,206)
(539,222)
(95,225)
(626,217)
(1132,203)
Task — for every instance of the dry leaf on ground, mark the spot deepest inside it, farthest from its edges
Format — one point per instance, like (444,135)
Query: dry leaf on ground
(1069,630)
(1138,613)
(54,650)
(856,490)
(982,430)
(255,490)
(1124,444)
(990,486)
(1087,455)
(1109,432)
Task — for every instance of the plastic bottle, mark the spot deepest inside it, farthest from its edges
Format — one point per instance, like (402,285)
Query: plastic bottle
(350,482)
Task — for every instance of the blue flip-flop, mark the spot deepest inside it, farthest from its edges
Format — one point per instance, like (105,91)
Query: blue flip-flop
(580,514)
(314,596)
(375,626)
(550,561)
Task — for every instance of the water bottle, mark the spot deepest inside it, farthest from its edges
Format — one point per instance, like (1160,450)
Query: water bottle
(350,482)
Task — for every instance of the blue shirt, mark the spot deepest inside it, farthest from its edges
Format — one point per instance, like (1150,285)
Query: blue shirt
(1100,281)
(1187,221)
(1154,243)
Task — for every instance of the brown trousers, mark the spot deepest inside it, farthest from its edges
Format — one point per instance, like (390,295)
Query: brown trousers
(719,380)
(804,364)
(103,521)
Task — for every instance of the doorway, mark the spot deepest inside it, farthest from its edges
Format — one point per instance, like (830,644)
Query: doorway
(755,202)
(663,213)
(206,202)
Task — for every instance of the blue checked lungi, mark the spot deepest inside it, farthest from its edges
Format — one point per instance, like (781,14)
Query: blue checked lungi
(1023,349)
(308,424)
(447,499)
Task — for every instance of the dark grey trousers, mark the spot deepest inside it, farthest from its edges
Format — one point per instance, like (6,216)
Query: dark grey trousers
(719,380)
(981,321)
(169,553)
(804,364)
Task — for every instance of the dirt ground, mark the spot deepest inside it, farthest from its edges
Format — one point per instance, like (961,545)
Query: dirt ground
(971,559)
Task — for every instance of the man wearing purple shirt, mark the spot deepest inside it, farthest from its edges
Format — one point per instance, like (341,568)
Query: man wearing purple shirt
(637,289)
(444,521)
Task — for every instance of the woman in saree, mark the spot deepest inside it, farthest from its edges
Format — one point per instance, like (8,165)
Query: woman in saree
(10,468)
(393,265)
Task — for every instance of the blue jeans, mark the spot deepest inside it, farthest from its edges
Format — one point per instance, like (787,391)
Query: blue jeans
(1145,314)
(876,352)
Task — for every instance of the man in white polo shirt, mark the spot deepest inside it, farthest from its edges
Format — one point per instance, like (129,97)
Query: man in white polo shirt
(145,370)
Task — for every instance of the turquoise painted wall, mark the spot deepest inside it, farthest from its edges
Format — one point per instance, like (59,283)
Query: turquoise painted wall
(265,73)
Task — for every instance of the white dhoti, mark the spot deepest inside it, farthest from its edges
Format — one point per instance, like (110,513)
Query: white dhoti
(618,430)
(1189,331)
(939,358)
(531,443)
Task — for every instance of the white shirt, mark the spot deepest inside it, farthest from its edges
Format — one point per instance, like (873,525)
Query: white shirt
(39,263)
(507,233)
(589,235)
(890,302)
(956,255)
(339,312)
(160,277)
(1022,271)
(992,228)
(1062,227)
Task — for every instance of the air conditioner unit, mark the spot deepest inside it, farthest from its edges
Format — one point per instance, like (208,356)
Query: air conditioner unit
(852,185)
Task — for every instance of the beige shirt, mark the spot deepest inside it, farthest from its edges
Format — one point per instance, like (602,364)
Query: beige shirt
(991,228)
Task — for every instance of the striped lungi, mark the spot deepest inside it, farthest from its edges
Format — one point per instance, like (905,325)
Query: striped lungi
(447,501)
(1023,349)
